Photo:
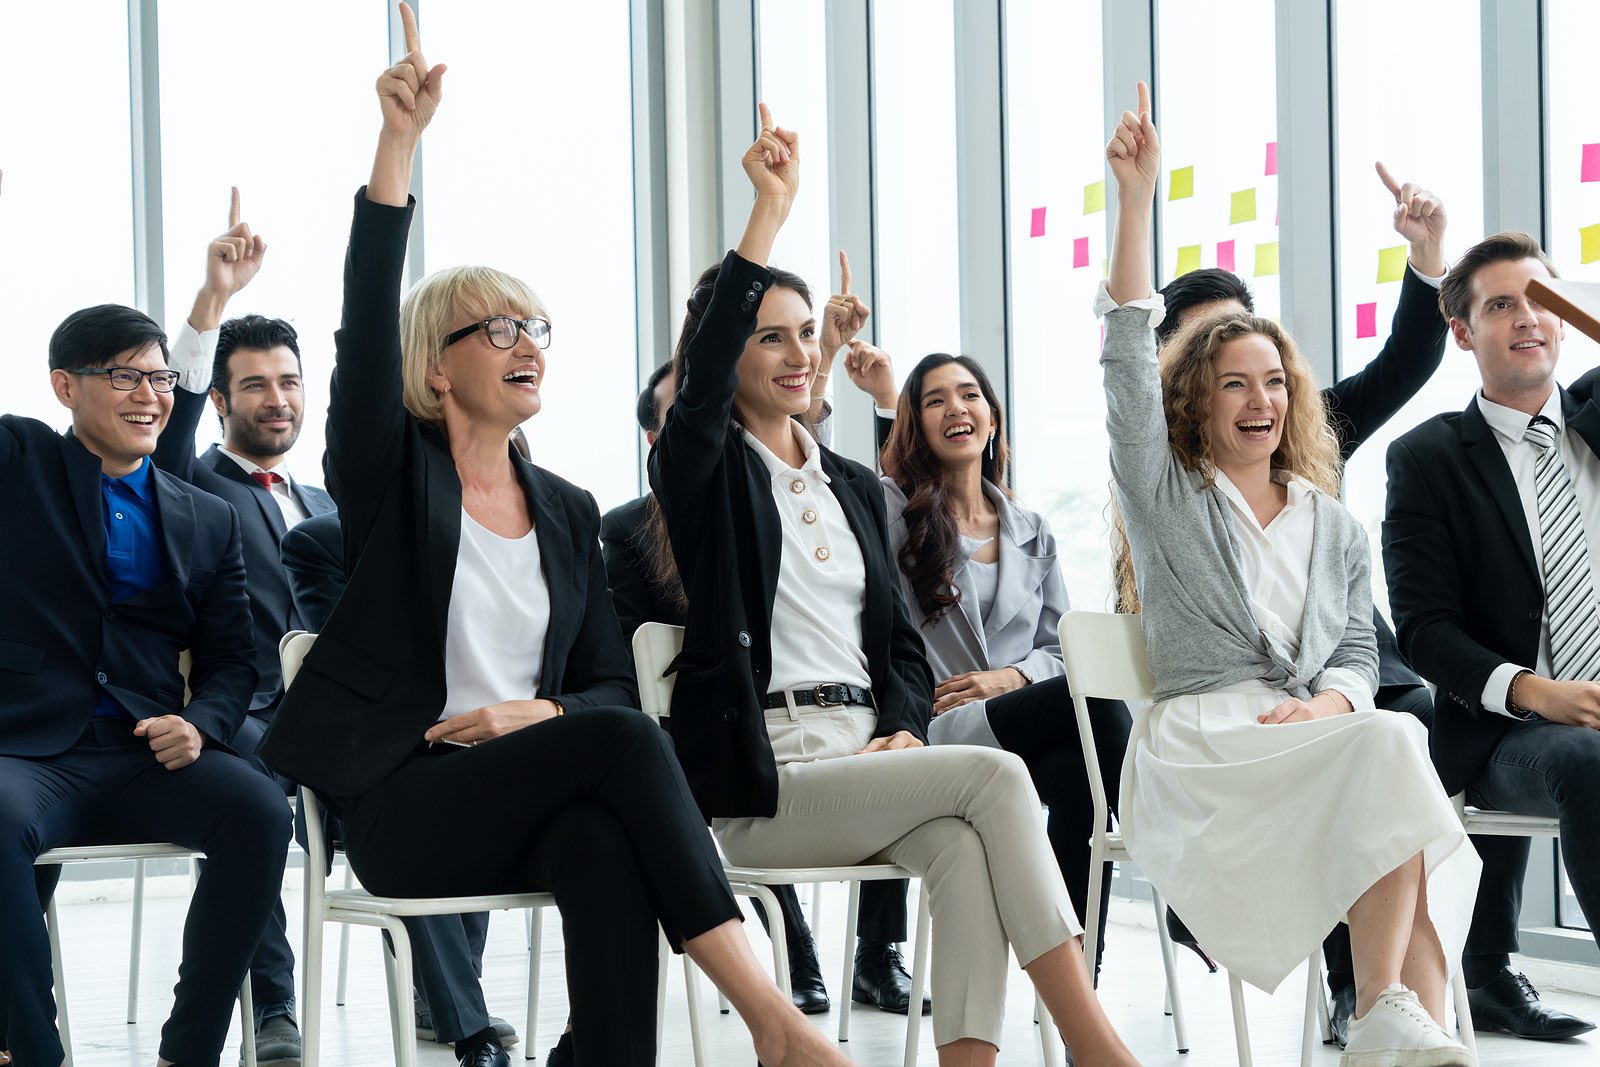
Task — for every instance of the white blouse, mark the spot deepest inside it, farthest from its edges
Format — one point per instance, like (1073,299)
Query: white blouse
(499,615)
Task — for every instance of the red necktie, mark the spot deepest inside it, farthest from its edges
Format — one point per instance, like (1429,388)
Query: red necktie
(266,478)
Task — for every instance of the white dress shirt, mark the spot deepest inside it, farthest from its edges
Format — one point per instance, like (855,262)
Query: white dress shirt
(1276,560)
(822,578)
(499,615)
(1510,427)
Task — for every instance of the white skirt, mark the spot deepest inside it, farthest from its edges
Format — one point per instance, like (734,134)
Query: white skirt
(1262,837)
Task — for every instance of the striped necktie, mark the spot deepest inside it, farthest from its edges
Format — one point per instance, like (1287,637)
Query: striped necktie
(1570,606)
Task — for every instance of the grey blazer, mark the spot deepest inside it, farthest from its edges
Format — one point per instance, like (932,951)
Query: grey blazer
(1021,629)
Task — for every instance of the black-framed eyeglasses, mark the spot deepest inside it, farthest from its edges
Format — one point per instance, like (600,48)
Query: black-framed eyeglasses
(127,379)
(503,331)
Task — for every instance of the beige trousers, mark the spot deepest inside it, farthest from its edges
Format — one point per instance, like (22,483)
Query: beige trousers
(967,821)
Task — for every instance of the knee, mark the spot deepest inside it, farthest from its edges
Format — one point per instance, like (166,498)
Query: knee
(961,849)
(255,808)
(1006,770)
(1574,764)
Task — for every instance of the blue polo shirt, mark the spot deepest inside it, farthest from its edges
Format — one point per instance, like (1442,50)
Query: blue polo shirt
(134,559)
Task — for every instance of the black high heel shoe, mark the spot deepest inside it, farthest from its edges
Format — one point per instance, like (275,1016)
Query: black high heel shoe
(1181,936)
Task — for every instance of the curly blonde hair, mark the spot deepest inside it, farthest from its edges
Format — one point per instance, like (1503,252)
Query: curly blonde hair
(1308,449)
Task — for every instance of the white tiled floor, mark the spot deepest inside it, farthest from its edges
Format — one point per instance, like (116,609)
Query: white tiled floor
(95,917)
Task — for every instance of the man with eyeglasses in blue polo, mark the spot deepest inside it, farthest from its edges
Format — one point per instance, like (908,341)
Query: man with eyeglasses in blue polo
(113,570)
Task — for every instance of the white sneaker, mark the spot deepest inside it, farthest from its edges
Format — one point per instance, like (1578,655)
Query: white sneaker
(1398,1032)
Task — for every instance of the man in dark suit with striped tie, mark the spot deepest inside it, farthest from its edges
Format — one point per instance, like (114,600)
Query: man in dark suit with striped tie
(1490,543)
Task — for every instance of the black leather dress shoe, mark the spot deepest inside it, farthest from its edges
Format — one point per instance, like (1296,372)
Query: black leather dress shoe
(1509,1002)
(485,1054)
(559,1058)
(805,979)
(1344,1006)
(882,981)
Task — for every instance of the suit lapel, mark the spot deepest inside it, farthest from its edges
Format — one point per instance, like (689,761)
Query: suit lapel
(83,477)
(875,616)
(1021,571)
(558,561)
(177,526)
(768,532)
(1485,454)
(441,503)
(1584,417)
(271,514)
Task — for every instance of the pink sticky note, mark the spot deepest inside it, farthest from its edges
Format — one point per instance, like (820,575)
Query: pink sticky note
(1367,320)
(1272,158)
(1274,214)
(1080,252)
(1038,223)
(1225,255)
(1591,163)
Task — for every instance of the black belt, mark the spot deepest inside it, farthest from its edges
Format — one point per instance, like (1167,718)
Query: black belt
(826,695)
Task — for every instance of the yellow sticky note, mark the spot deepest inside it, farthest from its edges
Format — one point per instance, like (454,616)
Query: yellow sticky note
(1188,260)
(1591,243)
(1392,263)
(1244,207)
(1180,183)
(1094,197)
(1266,259)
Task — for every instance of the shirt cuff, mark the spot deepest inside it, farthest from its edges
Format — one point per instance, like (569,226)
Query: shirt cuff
(1421,277)
(883,413)
(191,356)
(1497,691)
(1348,684)
(1155,303)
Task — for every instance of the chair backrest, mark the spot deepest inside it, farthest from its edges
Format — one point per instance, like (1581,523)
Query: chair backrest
(1105,656)
(292,649)
(655,644)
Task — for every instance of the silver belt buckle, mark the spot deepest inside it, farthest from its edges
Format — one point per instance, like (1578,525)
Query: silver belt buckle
(823,702)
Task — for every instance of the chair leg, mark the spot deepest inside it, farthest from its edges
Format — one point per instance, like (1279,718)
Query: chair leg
(816,905)
(1241,1027)
(405,1038)
(1170,963)
(311,976)
(53,926)
(530,1039)
(691,985)
(344,944)
(1049,1040)
(663,959)
(247,1024)
(135,937)
(1324,1020)
(921,962)
(1458,989)
(1311,1036)
(852,913)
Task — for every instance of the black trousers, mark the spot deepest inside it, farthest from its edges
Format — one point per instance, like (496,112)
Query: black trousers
(590,807)
(109,789)
(447,966)
(1036,722)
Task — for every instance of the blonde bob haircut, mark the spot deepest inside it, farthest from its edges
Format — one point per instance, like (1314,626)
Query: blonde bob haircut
(440,303)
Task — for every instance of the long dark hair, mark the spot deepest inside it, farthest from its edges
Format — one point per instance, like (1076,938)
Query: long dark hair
(666,578)
(927,555)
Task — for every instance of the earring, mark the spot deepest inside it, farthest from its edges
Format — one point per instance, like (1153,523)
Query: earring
(991,444)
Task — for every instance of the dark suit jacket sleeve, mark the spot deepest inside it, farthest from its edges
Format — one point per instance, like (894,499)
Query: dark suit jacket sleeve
(175,447)
(1359,405)
(222,646)
(1425,584)
(631,594)
(1585,389)
(881,429)
(599,670)
(312,559)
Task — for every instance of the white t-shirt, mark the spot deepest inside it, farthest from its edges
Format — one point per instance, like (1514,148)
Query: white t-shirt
(499,615)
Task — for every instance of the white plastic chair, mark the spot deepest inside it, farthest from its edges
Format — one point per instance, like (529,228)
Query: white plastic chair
(654,646)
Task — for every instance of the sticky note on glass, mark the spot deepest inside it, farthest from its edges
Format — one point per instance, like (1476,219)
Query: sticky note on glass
(1094,197)
(1591,163)
(1080,252)
(1266,259)
(1244,207)
(1225,255)
(1591,243)
(1272,158)
(1367,320)
(1180,183)
(1392,263)
(1037,229)
(1188,260)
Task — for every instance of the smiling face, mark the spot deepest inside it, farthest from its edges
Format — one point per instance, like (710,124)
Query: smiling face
(119,427)
(264,404)
(955,417)
(779,358)
(1515,340)
(1249,401)
(499,386)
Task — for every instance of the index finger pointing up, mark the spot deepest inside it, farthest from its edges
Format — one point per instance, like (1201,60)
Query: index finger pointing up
(233,209)
(1388,182)
(766,117)
(844,272)
(1144,99)
(408,19)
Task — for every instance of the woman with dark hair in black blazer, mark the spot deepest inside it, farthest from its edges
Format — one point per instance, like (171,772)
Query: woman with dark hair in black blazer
(802,697)
(471,689)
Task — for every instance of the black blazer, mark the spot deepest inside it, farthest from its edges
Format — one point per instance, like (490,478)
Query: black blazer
(313,562)
(374,682)
(64,643)
(726,538)
(625,540)
(1466,592)
(260,524)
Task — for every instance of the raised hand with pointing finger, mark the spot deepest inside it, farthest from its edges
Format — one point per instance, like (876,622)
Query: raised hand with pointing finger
(1418,217)
(408,94)
(845,314)
(772,164)
(232,260)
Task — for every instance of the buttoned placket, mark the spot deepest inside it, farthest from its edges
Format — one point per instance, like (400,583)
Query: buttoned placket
(801,494)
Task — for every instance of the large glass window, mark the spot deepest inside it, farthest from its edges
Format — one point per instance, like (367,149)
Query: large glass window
(1216,107)
(529,169)
(914,123)
(297,148)
(66,232)
(1057,239)
(1443,154)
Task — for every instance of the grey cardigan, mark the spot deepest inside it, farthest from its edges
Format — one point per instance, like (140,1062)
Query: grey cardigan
(1196,610)
(1022,628)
